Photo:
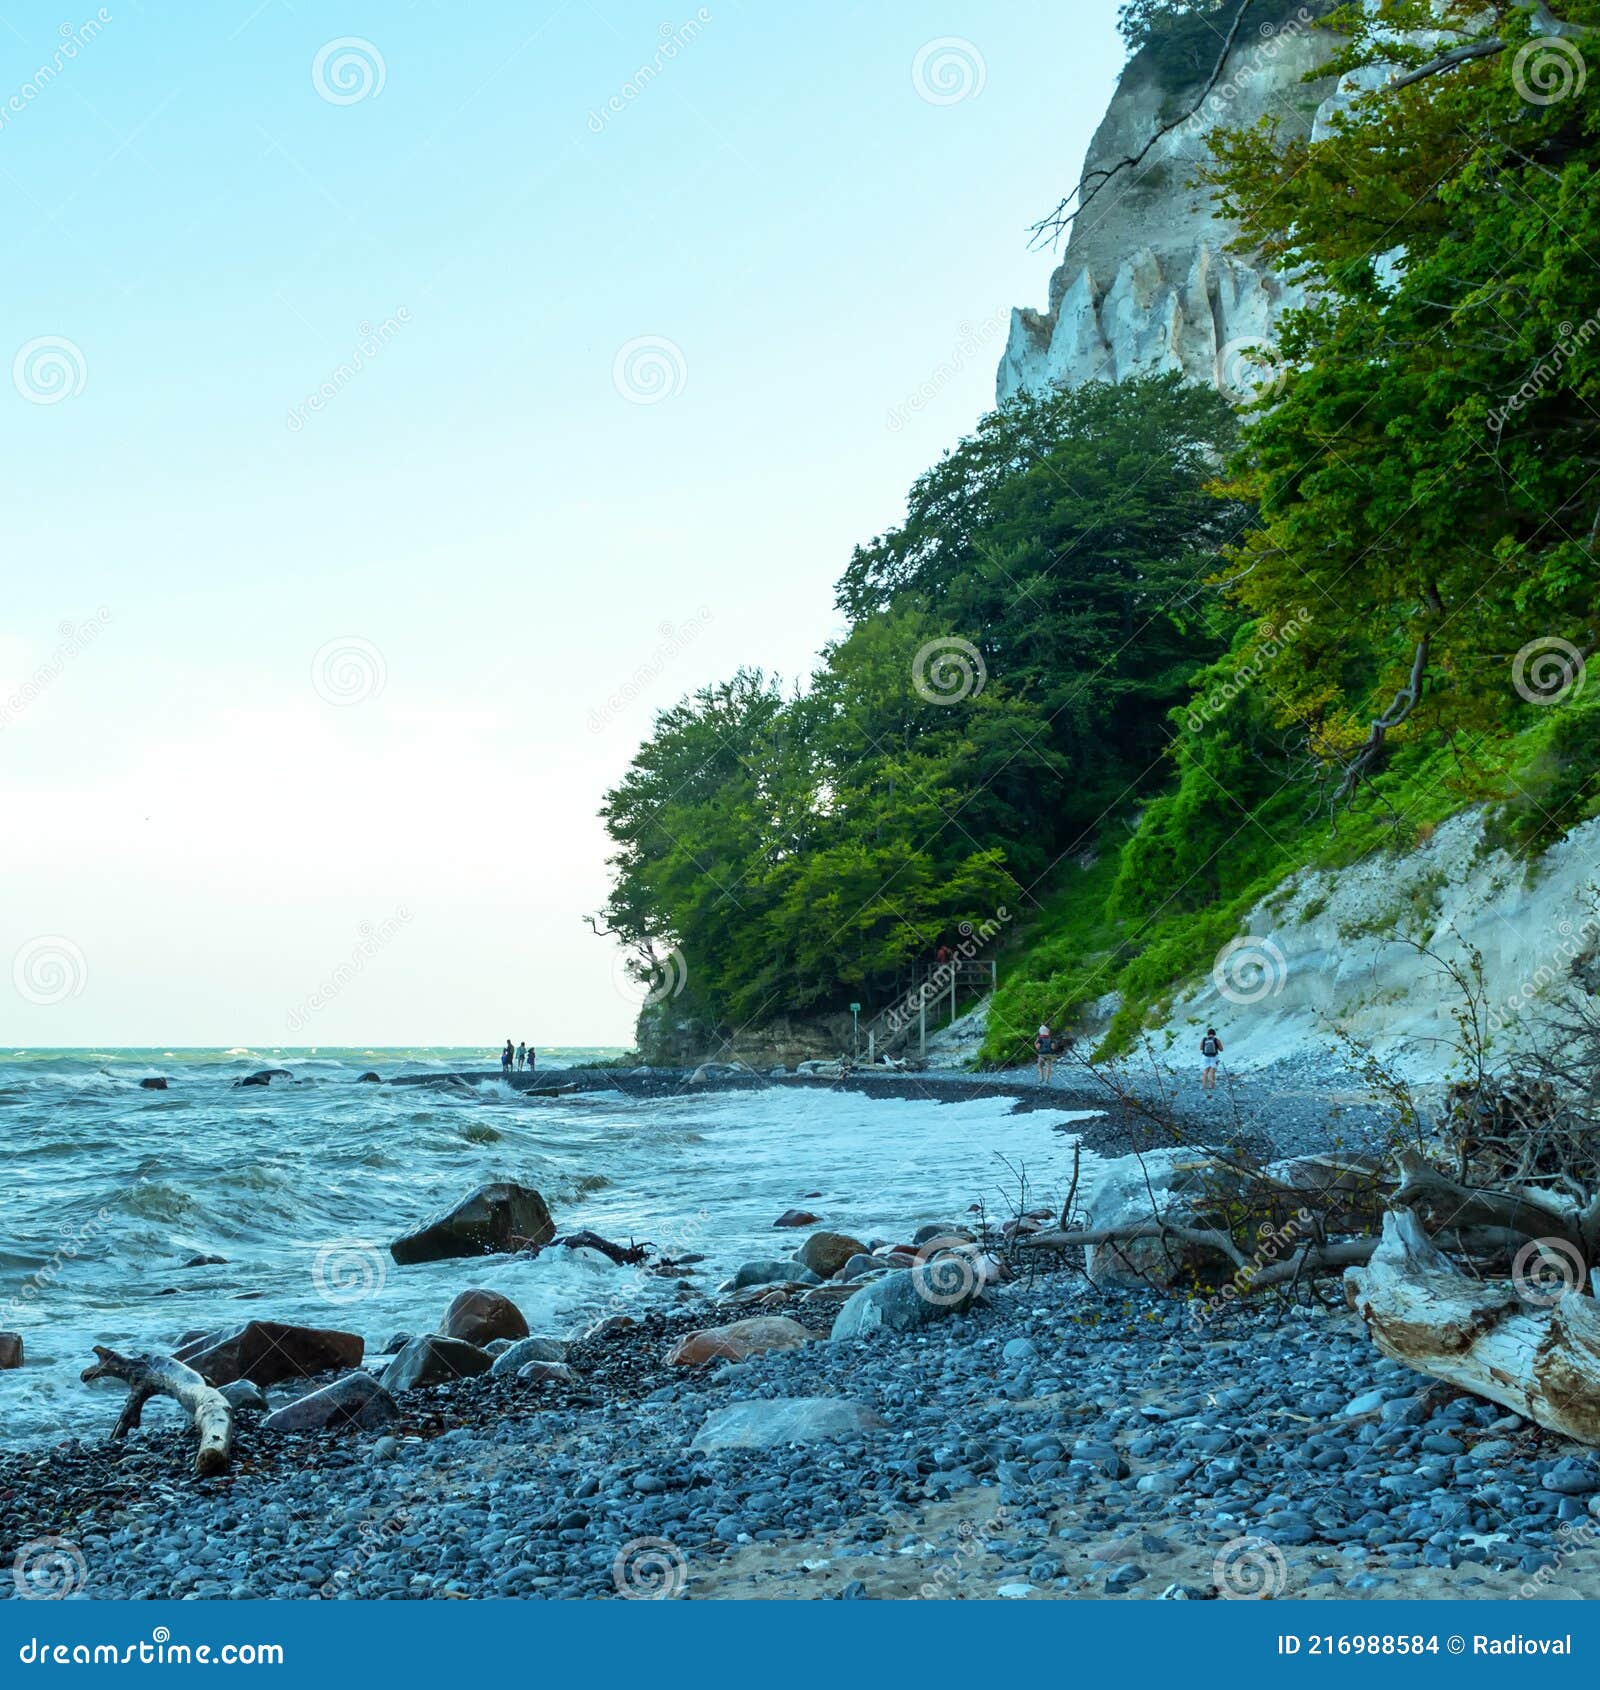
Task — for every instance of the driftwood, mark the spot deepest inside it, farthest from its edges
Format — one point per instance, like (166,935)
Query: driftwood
(161,1376)
(1538,1358)
(624,1255)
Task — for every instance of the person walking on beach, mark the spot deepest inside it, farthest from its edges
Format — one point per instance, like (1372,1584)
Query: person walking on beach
(507,1057)
(1044,1048)
(1210,1050)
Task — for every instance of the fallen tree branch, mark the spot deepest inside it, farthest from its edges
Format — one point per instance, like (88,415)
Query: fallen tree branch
(161,1376)
(1526,1211)
(1542,1360)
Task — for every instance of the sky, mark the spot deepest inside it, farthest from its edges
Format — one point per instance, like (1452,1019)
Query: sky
(399,405)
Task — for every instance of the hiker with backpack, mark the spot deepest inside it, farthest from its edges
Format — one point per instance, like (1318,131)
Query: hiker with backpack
(1210,1050)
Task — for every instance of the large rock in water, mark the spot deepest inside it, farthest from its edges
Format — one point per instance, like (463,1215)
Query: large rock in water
(479,1317)
(788,1420)
(770,1273)
(265,1351)
(911,1297)
(355,1400)
(10,1350)
(826,1252)
(494,1220)
(433,1360)
(740,1339)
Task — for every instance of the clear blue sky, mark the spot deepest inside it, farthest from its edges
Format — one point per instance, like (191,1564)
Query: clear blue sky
(376,662)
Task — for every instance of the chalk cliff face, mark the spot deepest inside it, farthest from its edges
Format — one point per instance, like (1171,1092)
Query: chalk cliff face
(1145,284)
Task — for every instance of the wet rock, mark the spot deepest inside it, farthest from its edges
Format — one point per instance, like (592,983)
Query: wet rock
(526,1350)
(825,1253)
(858,1265)
(266,1351)
(10,1350)
(479,1317)
(263,1077)
(495,1220)
(771,1273)
(206,1262)
(369,1079)
(356,1400)
(786,1420)
(154,1082)
(797,1217)
(737,1341)
(546,1373)
(909,1298)
(1124,1578)
(1573,1478)
(434,1359)
(245,1393)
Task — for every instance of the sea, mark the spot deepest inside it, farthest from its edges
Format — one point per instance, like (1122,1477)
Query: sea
(110,1189)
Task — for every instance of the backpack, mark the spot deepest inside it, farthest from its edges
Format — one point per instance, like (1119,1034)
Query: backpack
(1210,1046)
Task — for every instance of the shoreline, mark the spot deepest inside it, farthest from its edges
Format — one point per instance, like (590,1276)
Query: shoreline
(1050,1442)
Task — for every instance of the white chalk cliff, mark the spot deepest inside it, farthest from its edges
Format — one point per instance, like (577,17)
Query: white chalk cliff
(1146,284)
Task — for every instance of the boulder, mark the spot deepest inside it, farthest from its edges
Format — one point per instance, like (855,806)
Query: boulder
(244,1393)
(771,1273)
(369,1079)
(355,1400)
(154,1082)
(265,1351)
(825,1253)
(910,1297)
(545,1373)
(797,1217)
(737,1341)
(10,1350)
(263,1077)
(434,1360)
(610,1326)
(786,1420)
(925,1234)
(206,1262)
(479,1317)
(1179,1183)
(518,1355)
(858,1265)
(495,1220)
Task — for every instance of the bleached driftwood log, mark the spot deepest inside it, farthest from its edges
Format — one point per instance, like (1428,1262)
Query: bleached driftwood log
(161,1376)
(1541,1359)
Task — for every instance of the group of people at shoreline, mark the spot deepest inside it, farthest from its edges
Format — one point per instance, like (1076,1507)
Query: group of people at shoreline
(1044,1050)
(517,1058)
